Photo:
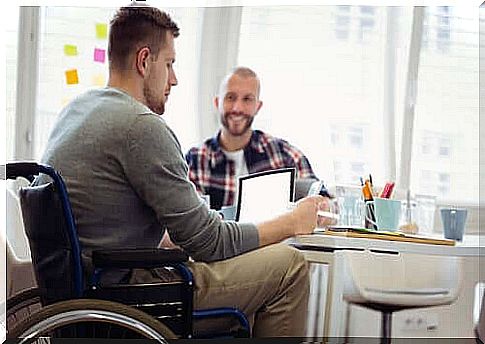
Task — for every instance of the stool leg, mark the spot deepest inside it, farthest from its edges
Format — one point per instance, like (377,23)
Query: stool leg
(386,327)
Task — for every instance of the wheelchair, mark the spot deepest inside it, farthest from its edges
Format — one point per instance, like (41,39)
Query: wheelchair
(66,306)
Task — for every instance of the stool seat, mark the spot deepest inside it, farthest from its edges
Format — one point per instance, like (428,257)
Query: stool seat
(393,282)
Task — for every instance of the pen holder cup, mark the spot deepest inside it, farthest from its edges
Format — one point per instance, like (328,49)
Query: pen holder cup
(383,214)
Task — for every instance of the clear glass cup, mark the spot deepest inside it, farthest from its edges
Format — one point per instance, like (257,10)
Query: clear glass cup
(351,210)
(409,215)
(426,205)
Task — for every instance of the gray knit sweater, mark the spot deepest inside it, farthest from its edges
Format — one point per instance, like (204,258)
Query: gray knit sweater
(127,181)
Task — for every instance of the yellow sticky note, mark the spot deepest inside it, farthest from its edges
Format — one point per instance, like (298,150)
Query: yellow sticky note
(101,30)
(70,50)
(98,80)
(65,101)
(72,77)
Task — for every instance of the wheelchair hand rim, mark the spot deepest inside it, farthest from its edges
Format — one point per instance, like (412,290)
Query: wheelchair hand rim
(76,316)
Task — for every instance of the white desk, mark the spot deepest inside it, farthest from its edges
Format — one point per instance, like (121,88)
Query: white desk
(319,248)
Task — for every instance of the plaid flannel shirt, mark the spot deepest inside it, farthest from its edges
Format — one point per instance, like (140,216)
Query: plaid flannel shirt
(213,174)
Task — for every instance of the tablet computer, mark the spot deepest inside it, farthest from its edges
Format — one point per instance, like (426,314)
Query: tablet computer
(264,195)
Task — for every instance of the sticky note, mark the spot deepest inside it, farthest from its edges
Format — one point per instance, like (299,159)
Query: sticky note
(65,101)
(101,31)
(99,80)
(70,50)
(99,55)
(72,77)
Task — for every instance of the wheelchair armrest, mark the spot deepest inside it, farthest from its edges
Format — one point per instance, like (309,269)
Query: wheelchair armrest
(138,258)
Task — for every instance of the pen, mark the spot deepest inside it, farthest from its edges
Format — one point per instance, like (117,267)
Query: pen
(328,214)
(391,188)
(387,190)
(324,213)
(367,190)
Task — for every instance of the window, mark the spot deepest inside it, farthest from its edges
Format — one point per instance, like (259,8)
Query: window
(324,93)
(443,29)
(330,76)
(75,39)
(325,71)
(68,65)
(447,109)
(342,22)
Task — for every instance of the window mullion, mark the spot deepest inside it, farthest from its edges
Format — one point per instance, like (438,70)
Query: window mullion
(389,94)
(218,54)
(404,181)
(27,77)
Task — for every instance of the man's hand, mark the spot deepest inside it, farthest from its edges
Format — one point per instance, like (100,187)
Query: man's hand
(331,206)
(301,220)
(305,214)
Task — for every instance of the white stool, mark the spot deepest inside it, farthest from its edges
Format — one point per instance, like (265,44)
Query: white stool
(393,282)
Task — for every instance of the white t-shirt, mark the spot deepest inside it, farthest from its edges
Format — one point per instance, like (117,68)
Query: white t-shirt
(240,167)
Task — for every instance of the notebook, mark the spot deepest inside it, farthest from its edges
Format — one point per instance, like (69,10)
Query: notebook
(264,195)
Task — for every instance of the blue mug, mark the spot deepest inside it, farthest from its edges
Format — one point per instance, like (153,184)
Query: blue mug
(454,220)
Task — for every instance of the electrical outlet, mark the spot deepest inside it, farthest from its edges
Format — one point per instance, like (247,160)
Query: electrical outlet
(432,322)
(421,322)
(409,323)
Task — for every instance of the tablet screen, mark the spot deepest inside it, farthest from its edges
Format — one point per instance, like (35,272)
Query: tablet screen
(264,195)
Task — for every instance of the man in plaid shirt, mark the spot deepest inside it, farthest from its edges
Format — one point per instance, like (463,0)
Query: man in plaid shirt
(237,149)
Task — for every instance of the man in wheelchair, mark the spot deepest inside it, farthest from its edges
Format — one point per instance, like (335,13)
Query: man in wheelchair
(127,182)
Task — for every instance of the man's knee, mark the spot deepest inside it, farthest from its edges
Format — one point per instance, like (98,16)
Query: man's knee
(289,260)
(301,265)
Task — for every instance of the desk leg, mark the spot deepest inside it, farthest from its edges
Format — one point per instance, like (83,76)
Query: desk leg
(317,300)
(337,307)
(320,285)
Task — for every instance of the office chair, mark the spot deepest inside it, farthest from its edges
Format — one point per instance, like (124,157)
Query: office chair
(56,257)
(394,282)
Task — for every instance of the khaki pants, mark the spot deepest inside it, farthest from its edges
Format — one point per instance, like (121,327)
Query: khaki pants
(270,285)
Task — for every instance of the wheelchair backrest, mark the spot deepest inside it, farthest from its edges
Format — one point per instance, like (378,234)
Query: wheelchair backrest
(50,228)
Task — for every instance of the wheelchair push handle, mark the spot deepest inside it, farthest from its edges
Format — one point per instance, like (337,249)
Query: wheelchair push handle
(26,169)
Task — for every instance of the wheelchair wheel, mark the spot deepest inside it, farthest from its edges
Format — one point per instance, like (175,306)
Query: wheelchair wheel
(89,318)
(22,305)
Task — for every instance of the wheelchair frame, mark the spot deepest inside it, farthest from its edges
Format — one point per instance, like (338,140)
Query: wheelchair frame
(102,260)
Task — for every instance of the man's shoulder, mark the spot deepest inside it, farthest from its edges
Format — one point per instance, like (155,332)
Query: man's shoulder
(204,148)
(266,138)
(109,100)
(276,143)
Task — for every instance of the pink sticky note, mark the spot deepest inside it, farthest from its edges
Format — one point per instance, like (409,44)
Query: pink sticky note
(99,55)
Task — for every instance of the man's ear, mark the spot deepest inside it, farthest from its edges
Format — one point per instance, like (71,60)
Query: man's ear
(260,104)
(216,102)
(142,57)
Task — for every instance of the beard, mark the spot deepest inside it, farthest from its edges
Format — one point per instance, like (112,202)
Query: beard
(233,130)
(154,103)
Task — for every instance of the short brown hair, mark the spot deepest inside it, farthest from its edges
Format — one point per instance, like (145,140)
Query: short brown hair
(133,27)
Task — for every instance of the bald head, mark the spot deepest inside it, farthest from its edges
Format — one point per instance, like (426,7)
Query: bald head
(242,72)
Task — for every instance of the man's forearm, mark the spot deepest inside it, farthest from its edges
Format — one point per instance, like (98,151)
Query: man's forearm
(276,230)
(301,220)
